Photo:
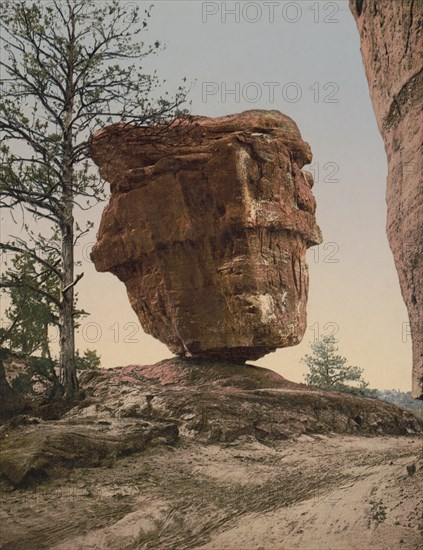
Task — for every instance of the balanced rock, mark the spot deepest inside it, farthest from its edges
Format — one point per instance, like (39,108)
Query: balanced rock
(208,225)
(391,45)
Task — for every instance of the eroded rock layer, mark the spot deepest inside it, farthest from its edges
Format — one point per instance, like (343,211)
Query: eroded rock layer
(127,410)
(208,225)
(391,46)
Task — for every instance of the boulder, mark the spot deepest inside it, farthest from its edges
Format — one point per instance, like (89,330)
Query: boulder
(208,225)
(35,449)
(391,46)
(217,402)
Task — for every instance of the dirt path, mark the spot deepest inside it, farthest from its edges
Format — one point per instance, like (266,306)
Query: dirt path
(326,492)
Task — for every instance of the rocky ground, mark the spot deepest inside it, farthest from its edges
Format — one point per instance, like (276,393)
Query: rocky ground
(193,455)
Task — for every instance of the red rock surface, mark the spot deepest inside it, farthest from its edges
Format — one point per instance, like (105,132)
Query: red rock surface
(391,45)
(208,225)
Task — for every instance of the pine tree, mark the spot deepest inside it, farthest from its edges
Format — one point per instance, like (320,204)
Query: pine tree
(330,371)
(68,67)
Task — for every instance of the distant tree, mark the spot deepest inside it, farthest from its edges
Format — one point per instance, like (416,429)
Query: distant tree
(67,68)
(330,371)
(89,360)
(402,399)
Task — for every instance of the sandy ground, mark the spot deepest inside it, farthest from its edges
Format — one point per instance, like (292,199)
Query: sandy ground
(320,492)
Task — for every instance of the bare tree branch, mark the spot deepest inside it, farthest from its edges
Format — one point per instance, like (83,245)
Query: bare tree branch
(71,285)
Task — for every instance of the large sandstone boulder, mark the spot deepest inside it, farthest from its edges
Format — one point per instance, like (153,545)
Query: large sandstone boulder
(391,45)
(208,225)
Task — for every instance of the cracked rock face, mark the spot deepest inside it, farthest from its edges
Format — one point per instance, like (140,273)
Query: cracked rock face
(391,45)
(208,225)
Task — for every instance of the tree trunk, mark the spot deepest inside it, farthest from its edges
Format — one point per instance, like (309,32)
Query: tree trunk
(67,329)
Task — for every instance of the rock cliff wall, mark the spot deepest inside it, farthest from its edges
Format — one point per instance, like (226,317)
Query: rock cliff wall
(391,35)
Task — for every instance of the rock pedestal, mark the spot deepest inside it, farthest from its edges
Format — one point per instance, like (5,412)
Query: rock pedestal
(208,225)
(391,45)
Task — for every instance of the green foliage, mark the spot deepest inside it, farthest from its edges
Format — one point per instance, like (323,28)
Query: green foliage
(46,370)
(67,68)
(23,383)
(35,369)
(330,371)
(44,367)
(30,313)
(90,360)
